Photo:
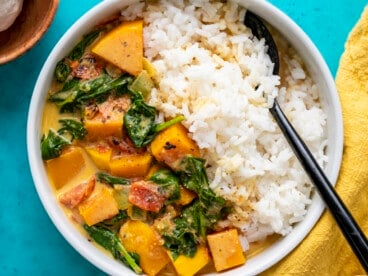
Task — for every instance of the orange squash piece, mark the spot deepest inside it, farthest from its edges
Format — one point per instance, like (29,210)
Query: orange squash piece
(99,128)
(132,165)
(172,144)
(100,155)
(186,196)
(226,249)
(63,168)
(107,120)
(99,206)
(138,237)
(123,47)
(187,266)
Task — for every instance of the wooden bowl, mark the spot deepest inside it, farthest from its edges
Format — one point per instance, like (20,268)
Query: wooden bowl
(31,24)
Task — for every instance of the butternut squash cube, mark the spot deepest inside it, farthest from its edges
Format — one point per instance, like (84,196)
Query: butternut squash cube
(226,249)
(172,144)
(186,196)
(63,168)
(138,237)
(123,47)
(187,266)
(99,206)
(99,128)
(100,155)
(133,165)
(106,119)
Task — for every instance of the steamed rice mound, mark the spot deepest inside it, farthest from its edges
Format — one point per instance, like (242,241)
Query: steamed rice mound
(214,72)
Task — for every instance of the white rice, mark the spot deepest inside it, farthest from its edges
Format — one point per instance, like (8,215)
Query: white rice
(219,77)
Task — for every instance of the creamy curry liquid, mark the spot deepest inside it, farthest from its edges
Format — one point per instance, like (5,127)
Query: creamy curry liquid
(51,117)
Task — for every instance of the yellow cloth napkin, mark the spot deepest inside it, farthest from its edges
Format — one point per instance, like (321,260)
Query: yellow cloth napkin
(325,251)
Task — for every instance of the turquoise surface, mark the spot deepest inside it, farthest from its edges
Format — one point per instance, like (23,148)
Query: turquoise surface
(30,244)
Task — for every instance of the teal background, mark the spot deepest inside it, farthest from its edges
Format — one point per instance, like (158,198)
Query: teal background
(29,242)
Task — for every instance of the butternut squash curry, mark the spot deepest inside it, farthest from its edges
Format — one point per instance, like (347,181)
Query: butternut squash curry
(135,185)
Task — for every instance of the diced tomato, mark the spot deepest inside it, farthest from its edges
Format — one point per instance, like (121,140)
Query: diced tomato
(86,68)
(113,108)
(146,195)
(79,193)
(101,147)
(124,146)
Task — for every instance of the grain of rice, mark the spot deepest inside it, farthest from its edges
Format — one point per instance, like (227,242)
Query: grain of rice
(214,72)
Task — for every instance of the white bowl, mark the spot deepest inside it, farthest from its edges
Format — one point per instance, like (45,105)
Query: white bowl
(315,65)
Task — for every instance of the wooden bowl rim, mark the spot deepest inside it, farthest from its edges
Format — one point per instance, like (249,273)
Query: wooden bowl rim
(17,52)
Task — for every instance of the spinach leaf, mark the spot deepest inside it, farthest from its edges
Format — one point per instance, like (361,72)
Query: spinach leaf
(196,220)
(114,223)
(106,86)
(87,40)
(75,89)
(66,94)
(185,237)
(70,84)
(62,70)
(139,121)
(111,180)
(194,177)
(140,124)
(93,84)
(52,144)
(111,242)
(168,182)
(76,93)
(74,128)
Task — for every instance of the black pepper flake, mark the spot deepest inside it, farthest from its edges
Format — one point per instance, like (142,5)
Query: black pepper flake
(169,146)
(115,141)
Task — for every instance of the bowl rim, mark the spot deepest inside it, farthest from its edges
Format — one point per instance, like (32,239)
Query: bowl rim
(51,12)
(254,265)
